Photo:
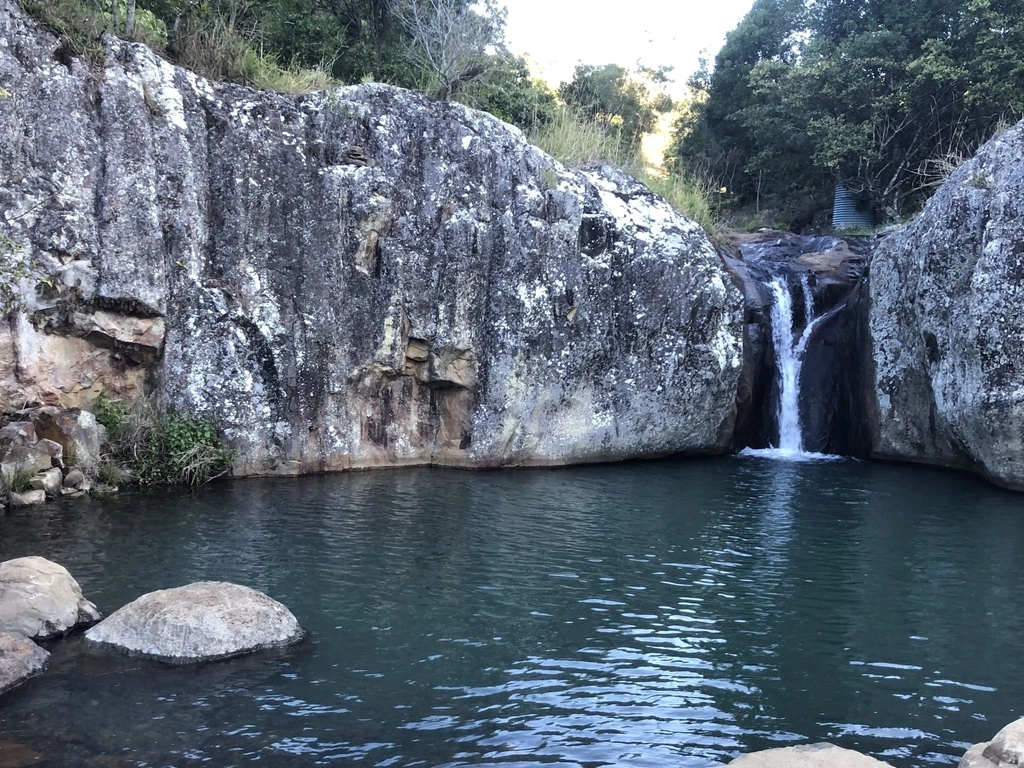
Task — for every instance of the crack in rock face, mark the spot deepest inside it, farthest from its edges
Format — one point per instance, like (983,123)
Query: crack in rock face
(355,278)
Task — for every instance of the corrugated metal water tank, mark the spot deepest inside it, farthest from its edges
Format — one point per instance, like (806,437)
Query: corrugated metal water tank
(847,214)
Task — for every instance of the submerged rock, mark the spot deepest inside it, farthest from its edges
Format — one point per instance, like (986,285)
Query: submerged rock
(20,659)
(198,622)
(821,755)
(355,278)
(40,599)
(946,327)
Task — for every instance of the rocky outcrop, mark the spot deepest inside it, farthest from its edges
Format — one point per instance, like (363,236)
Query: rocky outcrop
(32,465)
(1005,749)
(946,327)
(820,755)
(40,599)
(198,622)
(20,659)
(357,278)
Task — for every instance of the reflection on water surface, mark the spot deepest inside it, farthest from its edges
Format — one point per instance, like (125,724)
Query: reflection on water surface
(664,613)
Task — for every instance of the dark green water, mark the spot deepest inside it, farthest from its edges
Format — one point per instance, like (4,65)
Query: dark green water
(650,614)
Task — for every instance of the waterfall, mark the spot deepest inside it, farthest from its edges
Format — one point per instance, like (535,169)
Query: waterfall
(789,330)
(788,360)
(789,354)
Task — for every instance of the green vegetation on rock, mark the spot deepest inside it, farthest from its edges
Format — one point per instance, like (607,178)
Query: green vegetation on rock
(153,447)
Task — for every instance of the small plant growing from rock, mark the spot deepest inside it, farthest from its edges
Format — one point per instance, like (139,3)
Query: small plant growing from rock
(18,481)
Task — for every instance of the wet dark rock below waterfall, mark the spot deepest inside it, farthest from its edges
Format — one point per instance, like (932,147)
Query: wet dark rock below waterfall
(833,375)
(671,613)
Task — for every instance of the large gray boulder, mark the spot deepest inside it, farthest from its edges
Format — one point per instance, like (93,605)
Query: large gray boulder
(40,599)
(355,278)
(946,327)
(1006,749)
(198,622)
(820,755)
(20,659)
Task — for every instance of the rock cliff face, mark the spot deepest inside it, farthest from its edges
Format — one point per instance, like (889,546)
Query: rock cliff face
(946,326)
(349,279)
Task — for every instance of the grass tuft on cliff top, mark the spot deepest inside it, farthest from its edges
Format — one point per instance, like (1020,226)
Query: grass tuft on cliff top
(213,47)
(578,142)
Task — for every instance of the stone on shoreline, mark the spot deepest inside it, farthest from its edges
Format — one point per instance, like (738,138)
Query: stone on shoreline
(198,622)
(40,599)
(49,482)
(27,499)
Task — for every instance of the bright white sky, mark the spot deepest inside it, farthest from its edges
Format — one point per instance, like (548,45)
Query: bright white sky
(555,35)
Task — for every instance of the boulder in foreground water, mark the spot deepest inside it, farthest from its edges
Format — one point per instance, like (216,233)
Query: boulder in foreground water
(198,622)
(40,599)
(1005,749)
(821,755)
(20,659)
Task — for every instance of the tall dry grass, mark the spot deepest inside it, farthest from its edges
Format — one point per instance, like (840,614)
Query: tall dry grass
(579,143)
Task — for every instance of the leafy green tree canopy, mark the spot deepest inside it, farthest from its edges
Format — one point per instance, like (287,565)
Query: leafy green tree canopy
(609,95)
(882,95)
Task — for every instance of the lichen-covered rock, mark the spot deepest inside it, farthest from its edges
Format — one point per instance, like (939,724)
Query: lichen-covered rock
(198,622)
(820,755)
(946,327)
(357,278)
(20,659)
(1006,749)
(40,599)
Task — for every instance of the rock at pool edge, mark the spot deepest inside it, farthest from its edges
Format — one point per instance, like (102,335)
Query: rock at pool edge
(40,599)
(20,659)
(198,622)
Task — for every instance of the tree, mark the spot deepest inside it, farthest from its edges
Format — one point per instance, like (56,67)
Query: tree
(610,96)
(508,92)
(872,93)
(450,41)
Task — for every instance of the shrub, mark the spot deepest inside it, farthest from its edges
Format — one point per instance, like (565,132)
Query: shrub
(153,447)
(208,44)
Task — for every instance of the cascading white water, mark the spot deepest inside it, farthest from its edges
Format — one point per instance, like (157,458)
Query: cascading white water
(789,353)
(788,362)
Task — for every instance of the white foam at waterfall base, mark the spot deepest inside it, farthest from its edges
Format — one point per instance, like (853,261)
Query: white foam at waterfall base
(788,454)
(789,359)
